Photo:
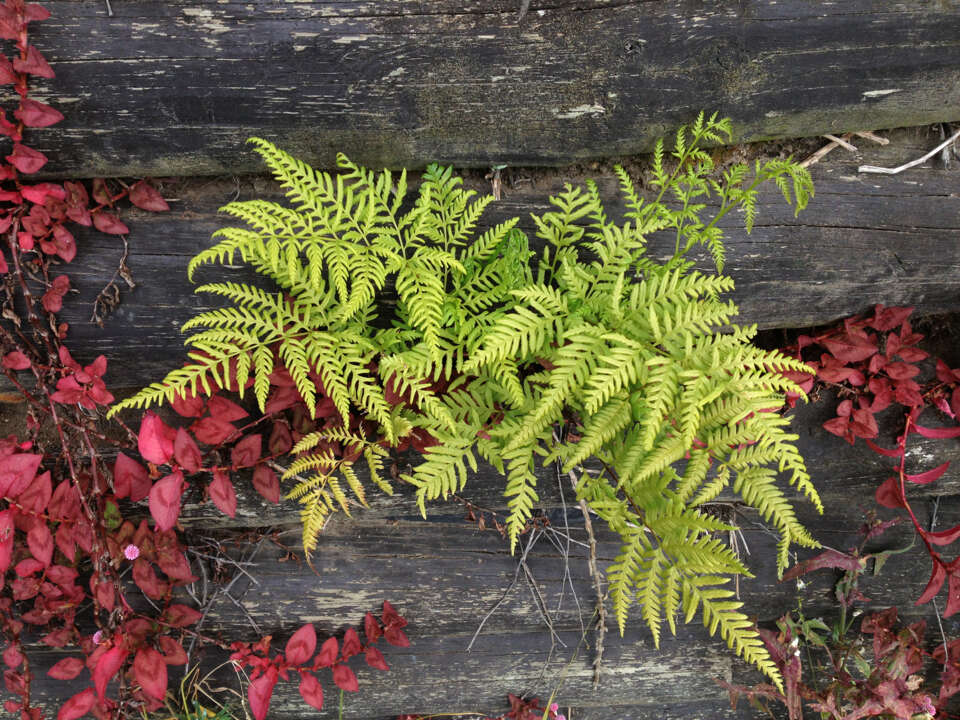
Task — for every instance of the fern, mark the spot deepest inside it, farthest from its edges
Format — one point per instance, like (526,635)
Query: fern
(487,347)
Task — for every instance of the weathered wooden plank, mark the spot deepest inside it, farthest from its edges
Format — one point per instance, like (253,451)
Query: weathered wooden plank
(175,88)
(863,239)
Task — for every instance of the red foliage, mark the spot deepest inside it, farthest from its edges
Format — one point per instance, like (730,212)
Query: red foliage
(296,658)
(874,362)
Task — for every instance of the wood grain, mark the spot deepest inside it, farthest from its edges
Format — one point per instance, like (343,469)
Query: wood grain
(163,88)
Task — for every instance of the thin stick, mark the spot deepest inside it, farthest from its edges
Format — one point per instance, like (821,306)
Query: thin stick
(842,143)
(819,154)
(874,138)
(597,585)
(912,163)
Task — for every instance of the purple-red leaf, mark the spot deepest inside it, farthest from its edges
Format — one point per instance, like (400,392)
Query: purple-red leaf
(311,691)
(37,114)
(222,493)
(930,475)
(150,670)
(146,197)
(165,500)
(345,679)
(827,559)
(265,482)
(110,224)
(259,693)
(107,666)
(78,706)
(155,440)
(34,63)
(938,433)
(66,669)
(301,645)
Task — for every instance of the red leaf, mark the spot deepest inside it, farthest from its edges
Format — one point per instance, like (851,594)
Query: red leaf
(945,374)
(186,452)
(188,405)
(888,494)
(6,539)
(130,478)
(265,482)
(16,360)
(155,440)
(165,500)
(930,475)
(7,73)
(17,472)
(944,537)
(396,636)
(226,410)
(837,426)
(27,567)
(34,13)
(345,679)
(105,594)
(25,159)
(36,114)
(146,197)
(246,452)
(180,615)
(101,192)
(52,301)
(40,542)
(311,691)
(78,706)
(895,453)
(110,224)
(12,657)
(328,653)
(934,584)
(150,670)
(66,669)
(301,646)
(375,659)
(259,693)
(850,348)
(64,243)
(953,595)
(173,652)
(391,617)
(147,580)
(901,371)
(906,394)
(887,318)
(864,425)
(913,354)
(351,645)
(938,433)
(280,440)
(211,431)
(34,63)
(222,493)
(108,665)
(372,628)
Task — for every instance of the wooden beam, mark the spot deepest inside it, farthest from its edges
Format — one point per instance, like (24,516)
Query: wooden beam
(175,89)
(863,239)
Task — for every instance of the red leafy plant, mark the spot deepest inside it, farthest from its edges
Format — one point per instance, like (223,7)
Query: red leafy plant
(875,365)
(298,659)
(848,675)
(520,709)
(80,568)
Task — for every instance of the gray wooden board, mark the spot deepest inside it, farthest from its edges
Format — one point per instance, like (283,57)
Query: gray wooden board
(445,575)
(863,239)
(175,88)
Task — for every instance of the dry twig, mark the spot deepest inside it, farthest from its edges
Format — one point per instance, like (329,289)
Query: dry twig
(913,163)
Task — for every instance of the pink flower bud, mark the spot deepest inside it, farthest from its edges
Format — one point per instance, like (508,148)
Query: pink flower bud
(97,637)
(131,552)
